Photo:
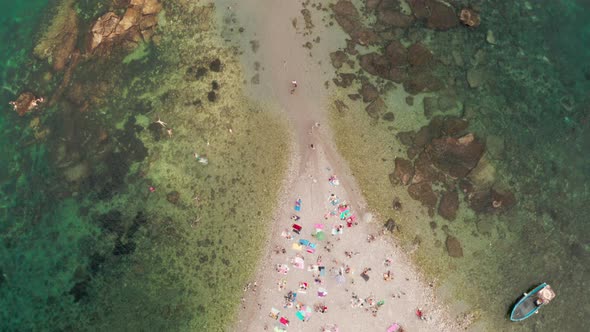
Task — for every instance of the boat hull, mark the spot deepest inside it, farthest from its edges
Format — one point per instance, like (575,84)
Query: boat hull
(526,306)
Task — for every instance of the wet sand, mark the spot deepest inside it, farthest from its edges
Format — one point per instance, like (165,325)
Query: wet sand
(284,59)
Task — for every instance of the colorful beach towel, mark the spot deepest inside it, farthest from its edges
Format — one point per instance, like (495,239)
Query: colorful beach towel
(298,205)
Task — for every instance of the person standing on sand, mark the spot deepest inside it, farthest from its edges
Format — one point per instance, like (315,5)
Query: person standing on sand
(293,86)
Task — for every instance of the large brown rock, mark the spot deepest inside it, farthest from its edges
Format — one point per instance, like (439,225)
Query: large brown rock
(454,248)
(150,7)
(347,16)
(456,156)
(397,54)
(491,201)
(453,126)
(372,4)
(419,8)
(375,64)
(338,58)
(419,55)
(424,171)
(442,16)
(428,132)
(369,92)
(422,192)
(389,12)
(130,19)
(345,80)
(421,80)
(377,108)
(449,203)
(103,29)
(398,75)
(138,23)
(403,172)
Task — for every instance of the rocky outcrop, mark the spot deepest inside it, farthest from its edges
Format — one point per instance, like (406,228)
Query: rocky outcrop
(137,23)
(454,248)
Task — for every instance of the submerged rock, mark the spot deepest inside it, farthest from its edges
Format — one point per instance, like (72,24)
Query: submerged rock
(396,204)
(215,65)
(338,58)
(491,201)
(376,108)
(397,54)
(369,92)
(347,16)
(375,64)
(345,80)
(389,116)
(419,55)
(442,16)
(422,192)
(449,203)
(404,171)
(212,96)
(456,156)
(390,13)
(390,225)
(454,248)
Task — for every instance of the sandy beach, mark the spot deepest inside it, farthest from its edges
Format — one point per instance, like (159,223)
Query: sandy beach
(346,255)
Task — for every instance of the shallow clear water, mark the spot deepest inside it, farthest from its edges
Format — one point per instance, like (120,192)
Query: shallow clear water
(86,245)
(530,107)
(108,221)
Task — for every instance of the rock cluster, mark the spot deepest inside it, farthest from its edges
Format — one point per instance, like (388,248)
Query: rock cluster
(137,23)
(443,153)
(26,102)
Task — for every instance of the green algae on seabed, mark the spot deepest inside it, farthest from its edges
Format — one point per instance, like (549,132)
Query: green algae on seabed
(127,259)
(528,104)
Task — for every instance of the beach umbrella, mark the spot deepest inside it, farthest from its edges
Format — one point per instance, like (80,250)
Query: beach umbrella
(320,235)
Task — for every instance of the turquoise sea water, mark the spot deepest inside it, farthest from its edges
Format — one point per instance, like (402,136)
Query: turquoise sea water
(101,254)
(521,78)
(108,222)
